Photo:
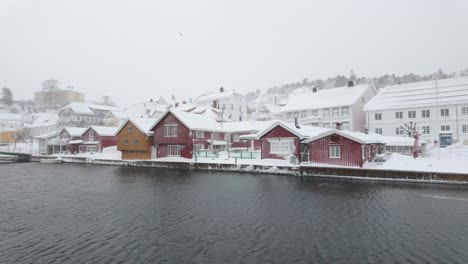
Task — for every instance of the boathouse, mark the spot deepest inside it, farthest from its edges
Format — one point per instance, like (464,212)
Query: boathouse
(70,140)
(95,138)
(135,139)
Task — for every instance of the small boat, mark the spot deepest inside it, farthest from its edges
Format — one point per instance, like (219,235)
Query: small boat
(51,161)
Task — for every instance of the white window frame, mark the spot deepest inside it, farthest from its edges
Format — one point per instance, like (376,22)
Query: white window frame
(326,112)
(444,112)
(281,146)
(398,115)
(335,112)
(425,130)
(215,135)
(314,112)
(91,135)
(345,125)
(399,131)
(236,138)
(378,130)
(198,147)
(464,110)
(170,130)
(91,148)
(445,128)
(411,114)
(173,150)
(426,113)
(199,134)
(378,116)
(334,152)
(345,111)
(464,128)
(303,114)
(135,142)
(130,129)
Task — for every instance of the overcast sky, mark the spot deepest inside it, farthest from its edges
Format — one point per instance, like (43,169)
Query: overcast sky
(132,50)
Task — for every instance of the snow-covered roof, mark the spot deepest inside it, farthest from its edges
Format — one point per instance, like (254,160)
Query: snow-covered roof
(246,126)
(11,117)
(215,96)
(304,131)
(206,110)
(420,94)
(72,142)
(143,124)
(335,97)
(43,120)
(103,131)
(48,135)
(396,141)
(355,136)
(193,121)
(75,131)
(87,109)
(145,109)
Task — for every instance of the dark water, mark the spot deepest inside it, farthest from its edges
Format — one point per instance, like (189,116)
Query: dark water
(98,214)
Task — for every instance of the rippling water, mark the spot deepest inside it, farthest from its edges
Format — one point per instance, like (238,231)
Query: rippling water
(98,214)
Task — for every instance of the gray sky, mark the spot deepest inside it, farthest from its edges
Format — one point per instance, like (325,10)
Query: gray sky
(132,51)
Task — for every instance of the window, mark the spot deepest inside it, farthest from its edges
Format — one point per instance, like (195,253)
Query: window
(426,130)
(444,128)
(315,124)
(232,106)
(335,112)
(215,135)
(303,114)
(378,130)
(130,152)
(126,141)
(135,141)
(91,148)
(91,135)
(78,118)
(399,115)
(399,131)
(199,134)
(411,114)
(236,138)
(140,152)
(326,112)
(464,111)
(88,119)
(378,116)
(444,112)
(224,107)
(465,128)
(345,111)
(315,112)
(426,113)
(296,114)
(335,152)
(173,150)
(345,125)
(74,118)
(198,147)
(327,125)
(289,115)
(130,129)
(280,146)
(170,130)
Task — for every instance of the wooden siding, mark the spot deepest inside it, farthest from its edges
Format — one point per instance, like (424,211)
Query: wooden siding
(277,133)
(144,142)
(103,141)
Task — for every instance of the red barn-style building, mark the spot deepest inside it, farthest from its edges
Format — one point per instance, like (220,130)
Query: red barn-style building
(70,139)
(95,138)
(342,148)
(180,134)
(282,140)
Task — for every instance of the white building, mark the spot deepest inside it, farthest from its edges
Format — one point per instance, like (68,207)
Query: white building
(326,108)
(10,121)
(437,107)
(233,105)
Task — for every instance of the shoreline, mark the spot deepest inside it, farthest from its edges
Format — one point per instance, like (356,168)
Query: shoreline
(308,170)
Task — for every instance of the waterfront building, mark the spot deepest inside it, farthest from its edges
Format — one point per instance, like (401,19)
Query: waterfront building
(438,107)
(135,139)
(327,107)
(70,139)
(96,138)
(84,115)
(44,123)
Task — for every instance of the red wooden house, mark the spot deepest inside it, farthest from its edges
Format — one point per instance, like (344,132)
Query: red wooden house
(180,134)
(241,135)
(95,138)
(70,139)
(283,140)
(342,148)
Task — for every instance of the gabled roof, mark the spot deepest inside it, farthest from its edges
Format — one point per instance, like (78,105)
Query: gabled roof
(145,109)
(193,121)
(74,131)
(326,98)
(48,135)
(420,94)
(43,120)
(246,126)
(304,131)
(143,124)
(355,136)
(215,96)
(103,131)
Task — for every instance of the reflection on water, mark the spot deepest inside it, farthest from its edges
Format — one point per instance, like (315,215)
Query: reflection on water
(97,214)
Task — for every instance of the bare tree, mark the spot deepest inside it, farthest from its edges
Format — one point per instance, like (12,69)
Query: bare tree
(410,129)
(50,85)
(106,100)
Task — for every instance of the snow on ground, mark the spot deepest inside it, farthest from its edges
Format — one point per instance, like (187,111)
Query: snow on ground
(451,159)
(110,153)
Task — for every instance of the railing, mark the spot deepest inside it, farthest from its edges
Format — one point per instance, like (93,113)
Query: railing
(230,154)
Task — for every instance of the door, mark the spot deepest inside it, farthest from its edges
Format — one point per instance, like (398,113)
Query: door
(304,153)
(153,152)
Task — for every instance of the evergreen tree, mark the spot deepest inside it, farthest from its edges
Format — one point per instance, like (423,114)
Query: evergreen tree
(7,96)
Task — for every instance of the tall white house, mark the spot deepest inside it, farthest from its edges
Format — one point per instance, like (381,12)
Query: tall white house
(327,107)
(232,104)
(439,108)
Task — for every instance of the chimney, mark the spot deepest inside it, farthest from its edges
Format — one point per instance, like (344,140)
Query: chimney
(366,131)
(338,126)
(221,90)
(350,83)
(296,123)
(184,102)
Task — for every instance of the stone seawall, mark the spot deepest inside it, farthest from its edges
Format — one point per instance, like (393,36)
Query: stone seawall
(305,171)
